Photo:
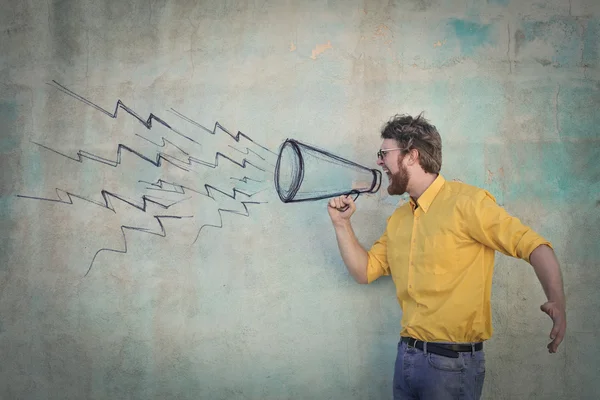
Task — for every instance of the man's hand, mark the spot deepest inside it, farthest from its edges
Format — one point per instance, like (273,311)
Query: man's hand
(559,318)
(546,267)
(341,209)
(354,255)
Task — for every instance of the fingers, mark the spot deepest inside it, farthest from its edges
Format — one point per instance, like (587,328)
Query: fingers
(559,325)
(557,334)
(341,208)
(553,345)
(335,203)
(341,203)
(348,200)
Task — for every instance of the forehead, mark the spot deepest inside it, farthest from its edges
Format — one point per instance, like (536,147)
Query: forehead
(388,144)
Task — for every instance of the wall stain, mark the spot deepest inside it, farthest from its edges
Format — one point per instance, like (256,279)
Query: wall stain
(471,35)
(9,140)
(544,62)
(320,48)
(519,40)
(383,32)
(65,30)
(421,5)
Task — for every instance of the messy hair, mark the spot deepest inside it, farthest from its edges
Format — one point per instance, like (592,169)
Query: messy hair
(416,133)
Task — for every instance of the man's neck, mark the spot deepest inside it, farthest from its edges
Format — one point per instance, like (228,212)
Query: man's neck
(419,185)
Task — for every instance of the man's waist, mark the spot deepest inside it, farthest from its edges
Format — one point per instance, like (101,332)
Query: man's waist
(454,326)
(443,334)
(447,349)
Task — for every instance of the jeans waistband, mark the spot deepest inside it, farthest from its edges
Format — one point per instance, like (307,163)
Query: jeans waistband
(443,349)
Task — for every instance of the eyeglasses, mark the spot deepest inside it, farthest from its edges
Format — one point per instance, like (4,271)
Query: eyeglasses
(381,152)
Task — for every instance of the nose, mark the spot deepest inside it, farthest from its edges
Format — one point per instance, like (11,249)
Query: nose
(380,162)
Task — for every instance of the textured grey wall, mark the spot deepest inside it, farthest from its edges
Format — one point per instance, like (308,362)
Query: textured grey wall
(263,308)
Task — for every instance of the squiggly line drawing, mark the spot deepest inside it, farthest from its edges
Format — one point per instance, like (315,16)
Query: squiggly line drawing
(160,183)
(66,197)
(106,195)
(147,123)
(246,179)
(157,162)
(290,171)
(236,137)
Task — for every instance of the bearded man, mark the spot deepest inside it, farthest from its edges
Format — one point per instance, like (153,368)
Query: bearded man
(439,249)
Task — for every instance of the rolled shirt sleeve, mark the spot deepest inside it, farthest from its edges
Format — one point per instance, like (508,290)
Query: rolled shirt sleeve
(492,226)
(377,265)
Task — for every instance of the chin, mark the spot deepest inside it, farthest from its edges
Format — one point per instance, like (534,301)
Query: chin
(395,191)
(392,192)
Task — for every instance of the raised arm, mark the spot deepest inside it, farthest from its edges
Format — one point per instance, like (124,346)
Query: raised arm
(354,255)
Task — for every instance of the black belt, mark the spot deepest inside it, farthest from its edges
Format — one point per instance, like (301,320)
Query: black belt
(443,349)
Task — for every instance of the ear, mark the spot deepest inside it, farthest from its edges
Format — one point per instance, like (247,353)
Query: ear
(413,156)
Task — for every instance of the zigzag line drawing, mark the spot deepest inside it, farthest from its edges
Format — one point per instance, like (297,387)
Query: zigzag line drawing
(106,195)
(160,184)
(148,125)
(157,162)
(246,179)
(248,151)
(66,197)
(235,137)
(148,122)
(164,143)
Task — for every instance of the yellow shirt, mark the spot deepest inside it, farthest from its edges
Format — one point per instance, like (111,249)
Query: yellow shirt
(440,254)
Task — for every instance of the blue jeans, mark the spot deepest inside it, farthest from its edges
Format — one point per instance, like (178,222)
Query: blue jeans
(419,375)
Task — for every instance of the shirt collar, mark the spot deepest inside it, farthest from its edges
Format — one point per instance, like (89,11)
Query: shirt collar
(429,194)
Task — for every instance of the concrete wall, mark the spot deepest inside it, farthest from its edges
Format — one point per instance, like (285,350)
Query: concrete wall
(263,307)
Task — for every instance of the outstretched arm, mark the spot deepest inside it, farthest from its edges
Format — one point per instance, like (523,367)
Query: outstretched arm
(546,268)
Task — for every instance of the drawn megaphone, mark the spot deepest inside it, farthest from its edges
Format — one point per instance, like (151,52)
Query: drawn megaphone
(306,173)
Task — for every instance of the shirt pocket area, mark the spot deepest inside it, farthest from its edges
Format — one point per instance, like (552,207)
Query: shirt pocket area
(440,254)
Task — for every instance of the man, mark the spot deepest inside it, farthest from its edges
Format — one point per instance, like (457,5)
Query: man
(439,250)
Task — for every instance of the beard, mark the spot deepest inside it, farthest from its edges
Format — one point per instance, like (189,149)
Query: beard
(399,180)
